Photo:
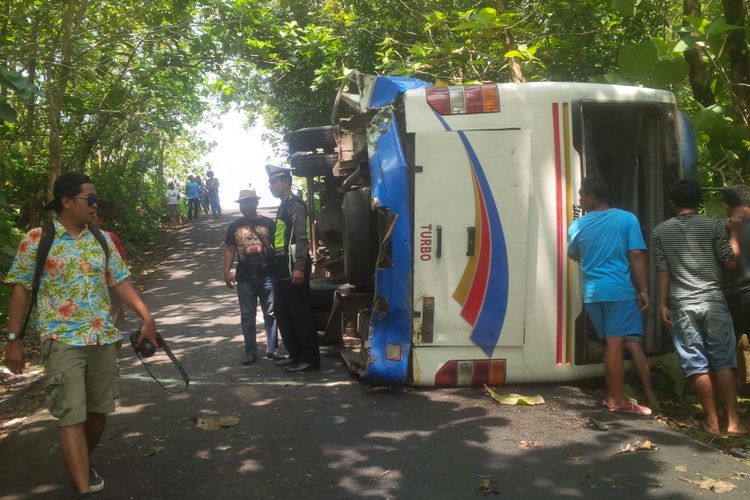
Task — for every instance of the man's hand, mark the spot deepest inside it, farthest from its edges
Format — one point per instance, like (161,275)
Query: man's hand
(229,279)
(665,317)
(643,300)
(148,332)
(298,276)
(15,357)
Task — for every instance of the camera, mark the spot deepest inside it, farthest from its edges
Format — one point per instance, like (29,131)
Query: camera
(146,349)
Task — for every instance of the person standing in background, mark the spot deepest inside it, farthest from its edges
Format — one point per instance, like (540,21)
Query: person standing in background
(193,192)
(173,204)
(212,184)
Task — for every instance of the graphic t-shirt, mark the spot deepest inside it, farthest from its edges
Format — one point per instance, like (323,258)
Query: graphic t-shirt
(253,239)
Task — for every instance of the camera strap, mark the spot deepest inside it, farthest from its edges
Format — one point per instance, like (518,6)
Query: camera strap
(175,362)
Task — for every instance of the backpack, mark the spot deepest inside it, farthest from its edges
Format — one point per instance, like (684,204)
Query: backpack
(42,251)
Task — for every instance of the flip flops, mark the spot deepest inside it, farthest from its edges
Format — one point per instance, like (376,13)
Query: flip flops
(631,407)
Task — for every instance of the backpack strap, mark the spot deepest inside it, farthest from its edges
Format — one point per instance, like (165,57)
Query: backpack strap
(103,242)
(42,251)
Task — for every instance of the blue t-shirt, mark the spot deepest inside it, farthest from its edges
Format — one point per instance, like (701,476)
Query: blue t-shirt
(602,239)
(193,190)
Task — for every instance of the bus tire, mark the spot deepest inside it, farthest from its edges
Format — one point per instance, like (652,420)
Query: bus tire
(313,164)
(358,241)
(312,138)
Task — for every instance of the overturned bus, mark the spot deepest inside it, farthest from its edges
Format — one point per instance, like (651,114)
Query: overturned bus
(440,217)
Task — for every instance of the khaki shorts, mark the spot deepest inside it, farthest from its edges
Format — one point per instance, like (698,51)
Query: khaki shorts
(80,379)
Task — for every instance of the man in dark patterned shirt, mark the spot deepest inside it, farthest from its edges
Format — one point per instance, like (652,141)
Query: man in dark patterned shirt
(250,239)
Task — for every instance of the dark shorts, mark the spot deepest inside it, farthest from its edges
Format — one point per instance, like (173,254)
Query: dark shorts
(739,308)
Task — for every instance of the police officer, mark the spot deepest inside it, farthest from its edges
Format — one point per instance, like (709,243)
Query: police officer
(292,276)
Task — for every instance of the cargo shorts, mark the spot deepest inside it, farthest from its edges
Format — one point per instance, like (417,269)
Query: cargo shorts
(80,379)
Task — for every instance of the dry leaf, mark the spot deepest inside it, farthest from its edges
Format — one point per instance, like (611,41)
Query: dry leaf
(488,486)
(515,399)
(713,485)
(637,445)
(648,445)
(597,425)
(575,460)
(153,451)
(681,468)
(218,422)
(529,444)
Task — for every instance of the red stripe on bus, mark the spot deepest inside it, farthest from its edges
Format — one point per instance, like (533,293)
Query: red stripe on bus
(478,289)
(558,196)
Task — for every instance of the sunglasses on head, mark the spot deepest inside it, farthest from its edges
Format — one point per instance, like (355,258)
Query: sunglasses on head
(91,199)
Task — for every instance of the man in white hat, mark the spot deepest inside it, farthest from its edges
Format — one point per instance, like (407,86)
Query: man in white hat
(250,239)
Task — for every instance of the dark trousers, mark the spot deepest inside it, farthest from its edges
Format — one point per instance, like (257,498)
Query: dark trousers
(295,320)
(739,308)
(194,208)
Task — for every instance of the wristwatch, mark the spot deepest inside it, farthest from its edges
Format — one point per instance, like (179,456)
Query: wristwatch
(10,336)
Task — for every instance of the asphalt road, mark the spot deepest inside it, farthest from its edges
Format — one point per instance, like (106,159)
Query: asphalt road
(326,435)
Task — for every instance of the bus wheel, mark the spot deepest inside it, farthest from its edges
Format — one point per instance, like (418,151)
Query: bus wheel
(313,164)
(358,241)
(312,138)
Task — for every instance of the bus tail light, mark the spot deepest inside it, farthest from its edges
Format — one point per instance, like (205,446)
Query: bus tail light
(471,373)
(464,99)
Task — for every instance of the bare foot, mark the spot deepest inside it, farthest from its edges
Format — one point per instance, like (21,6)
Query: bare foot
(705,427)
(736,430)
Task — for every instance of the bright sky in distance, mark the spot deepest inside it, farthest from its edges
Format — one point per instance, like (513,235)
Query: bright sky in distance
(239,158)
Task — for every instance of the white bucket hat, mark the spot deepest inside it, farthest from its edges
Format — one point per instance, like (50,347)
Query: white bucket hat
(247,194)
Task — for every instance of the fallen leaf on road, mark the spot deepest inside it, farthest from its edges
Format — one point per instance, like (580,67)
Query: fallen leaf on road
(636,446)
(575,460)
(515,399)
(529,444)
(681,468)
(597,425)
(384,473)
(154,450)
(648,445)
(712,485)
(218,422)
(488,486)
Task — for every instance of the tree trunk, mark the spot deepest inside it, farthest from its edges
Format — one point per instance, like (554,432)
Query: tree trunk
(698,76)
(56,87)
(516,71)
(739,65)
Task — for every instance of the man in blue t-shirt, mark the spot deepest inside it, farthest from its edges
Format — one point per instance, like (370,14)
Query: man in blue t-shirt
(609,244)
(192,190)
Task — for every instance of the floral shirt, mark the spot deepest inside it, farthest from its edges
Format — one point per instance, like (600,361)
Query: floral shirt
(73,305)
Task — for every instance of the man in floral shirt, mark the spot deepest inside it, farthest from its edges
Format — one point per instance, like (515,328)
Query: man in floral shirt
(73,318)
